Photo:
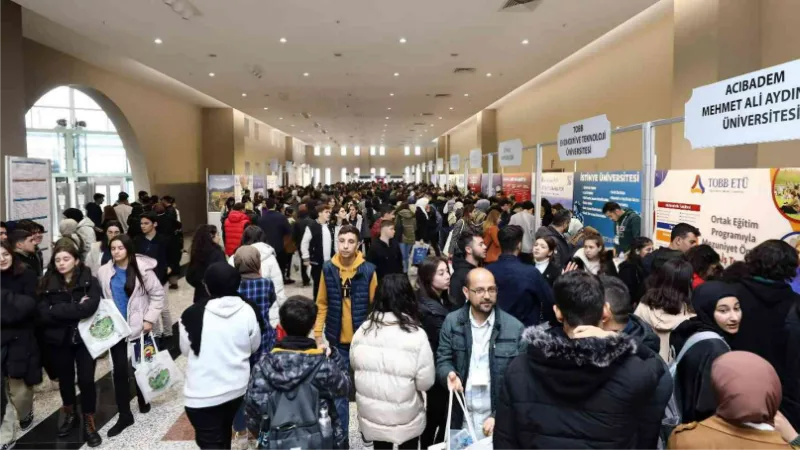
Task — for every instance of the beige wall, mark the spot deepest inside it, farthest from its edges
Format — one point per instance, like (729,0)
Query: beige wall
(163,131)
(394,161)
(12,80)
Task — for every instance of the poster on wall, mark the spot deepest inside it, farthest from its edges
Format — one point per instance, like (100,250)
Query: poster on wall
(220,187)
(497,183)
(29,195)
(592,191)
(259,184)
(707,199)
(272,182)
(475,158)
(474,182)
(557,188)
(243,182)
(518,185)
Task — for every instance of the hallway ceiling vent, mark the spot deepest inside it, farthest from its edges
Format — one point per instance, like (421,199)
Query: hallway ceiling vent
(428,114)
(526,5)
(441,95)
(419,124)
(462,70)
(306,115)
(283,96)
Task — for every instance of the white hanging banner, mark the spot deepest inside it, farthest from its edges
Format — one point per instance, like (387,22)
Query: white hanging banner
(475,157)
(585,139)
(455,162)
(439,164)
(760,106)
(510,153)
(274,165)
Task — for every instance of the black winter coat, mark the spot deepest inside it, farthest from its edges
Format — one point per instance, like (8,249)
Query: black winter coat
(461,268)
(581,393)
(633,275)
(60,308)
(196,272)
(763,331)
(564,250)
(551,273)
(21,356)
(275,225)
(426,226)
(386,258)
(791,383)
(643,333)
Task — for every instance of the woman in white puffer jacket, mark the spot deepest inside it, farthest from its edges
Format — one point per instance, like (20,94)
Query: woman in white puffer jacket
(253,235)
(393,365)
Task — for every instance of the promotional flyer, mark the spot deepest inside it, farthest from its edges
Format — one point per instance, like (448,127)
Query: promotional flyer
(220,187)
(497,183)
(518,185)
(594,189)
(474,182)
(557,188)
(712,201)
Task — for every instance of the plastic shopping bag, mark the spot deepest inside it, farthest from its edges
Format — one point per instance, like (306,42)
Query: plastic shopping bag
(156,375)
(418,253)
(104,328)
(462,439)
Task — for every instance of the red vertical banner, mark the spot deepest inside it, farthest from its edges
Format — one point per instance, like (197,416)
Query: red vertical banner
(474,182)
(518,185)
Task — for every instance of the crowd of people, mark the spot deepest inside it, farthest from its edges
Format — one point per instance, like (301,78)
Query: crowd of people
(419,292)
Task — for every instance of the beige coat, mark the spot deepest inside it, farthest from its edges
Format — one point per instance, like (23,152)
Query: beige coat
(716,433)
(392,370)
(663,324)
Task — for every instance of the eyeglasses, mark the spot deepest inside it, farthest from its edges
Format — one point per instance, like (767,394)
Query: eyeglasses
(483,291)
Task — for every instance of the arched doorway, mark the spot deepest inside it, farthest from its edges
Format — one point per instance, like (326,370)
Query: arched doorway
(88,153)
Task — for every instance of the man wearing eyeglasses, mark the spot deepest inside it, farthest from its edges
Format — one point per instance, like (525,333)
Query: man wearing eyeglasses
(476,344)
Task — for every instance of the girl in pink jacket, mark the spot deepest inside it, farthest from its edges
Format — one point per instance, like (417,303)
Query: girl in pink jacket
(130,280)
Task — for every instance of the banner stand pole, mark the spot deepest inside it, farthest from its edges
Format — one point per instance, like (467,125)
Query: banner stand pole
(537,216)
(648,179)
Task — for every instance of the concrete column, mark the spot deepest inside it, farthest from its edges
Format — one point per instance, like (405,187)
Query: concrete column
(487,134)
(713,40)
(218,140)
(12,84)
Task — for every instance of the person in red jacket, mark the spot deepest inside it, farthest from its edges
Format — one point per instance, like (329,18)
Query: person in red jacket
(235,224)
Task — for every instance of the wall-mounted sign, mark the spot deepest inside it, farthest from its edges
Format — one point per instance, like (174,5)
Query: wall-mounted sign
(585,139)
(475,157)
(510,153)
(761,106)
(274,165)
(455,162)
(439,164)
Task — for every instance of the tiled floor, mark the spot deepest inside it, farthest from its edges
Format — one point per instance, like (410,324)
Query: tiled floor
(164,427)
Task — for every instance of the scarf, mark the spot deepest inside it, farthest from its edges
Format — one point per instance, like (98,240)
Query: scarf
(747,388)
(247,261)
(704,301)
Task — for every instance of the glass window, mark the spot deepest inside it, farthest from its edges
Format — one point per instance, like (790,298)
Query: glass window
(104,153)
(316,176)
(357,150)
(48,145)
(382,150)
(372,171)
(357,172)
(417,150)
(372,151)
(328,174)
(58,97)
(83,101)
(96,120)
(328,151)
(344,151)
(344,175)
(47,118)
(383,171)
(317,150)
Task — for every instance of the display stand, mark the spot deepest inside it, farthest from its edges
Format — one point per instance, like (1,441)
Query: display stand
(29,194)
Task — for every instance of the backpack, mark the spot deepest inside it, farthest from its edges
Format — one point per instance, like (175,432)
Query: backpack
(294,418)
(672,413)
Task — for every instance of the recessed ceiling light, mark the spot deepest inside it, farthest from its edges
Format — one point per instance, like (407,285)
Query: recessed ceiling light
(488,74)
(158,41)
(524,42)
(440,118)
(265,108)
(283,40)
(451,108)
(466,95)
(244,94)
(280,118)
(292,125)
(389,108)
(387,118)
(306,74)
(397,74)
(211,74)
(431,124)
(403,40)
(391,94)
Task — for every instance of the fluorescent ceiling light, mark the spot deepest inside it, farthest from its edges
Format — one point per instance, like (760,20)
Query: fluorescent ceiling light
(158,41)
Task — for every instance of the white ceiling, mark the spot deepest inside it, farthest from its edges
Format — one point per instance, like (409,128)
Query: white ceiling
(348,96)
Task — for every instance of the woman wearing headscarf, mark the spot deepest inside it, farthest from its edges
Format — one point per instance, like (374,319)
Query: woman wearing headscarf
(261,292)
(68,228)
(218,336)
(700,340)
(748,394)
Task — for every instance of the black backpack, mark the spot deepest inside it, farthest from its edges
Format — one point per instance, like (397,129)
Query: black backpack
(294,418)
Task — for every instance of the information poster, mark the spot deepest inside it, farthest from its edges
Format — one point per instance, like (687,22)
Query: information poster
(243,182)
(457,180)
(29,195)
(712,200)
(594,189)
(497,183)
(518,185)
(557,188)
(474,182)
(220,188)
(272,182)
(259,184)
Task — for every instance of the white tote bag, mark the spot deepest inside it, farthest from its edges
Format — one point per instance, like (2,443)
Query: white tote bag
(104,328)
(156,376)
(446,249)
(464,439)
